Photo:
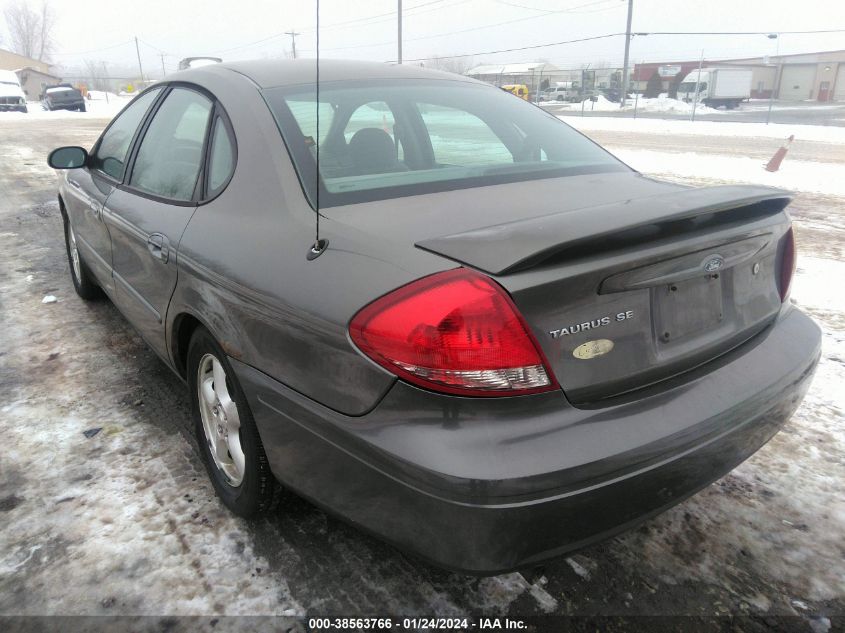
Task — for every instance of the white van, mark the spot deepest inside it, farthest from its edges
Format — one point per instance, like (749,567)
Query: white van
(12,96)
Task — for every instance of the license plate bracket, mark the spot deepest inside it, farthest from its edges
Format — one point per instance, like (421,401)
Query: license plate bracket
(686,308)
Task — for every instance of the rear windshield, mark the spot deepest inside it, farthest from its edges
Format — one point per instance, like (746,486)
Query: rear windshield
(381,140)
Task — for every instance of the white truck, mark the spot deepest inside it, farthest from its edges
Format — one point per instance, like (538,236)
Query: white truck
(717,87)
(12,96)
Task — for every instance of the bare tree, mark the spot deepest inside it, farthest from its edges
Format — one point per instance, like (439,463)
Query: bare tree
(31,31)
(457,65)
(97,75)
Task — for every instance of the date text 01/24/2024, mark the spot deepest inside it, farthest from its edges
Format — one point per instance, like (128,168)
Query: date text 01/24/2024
(415,624)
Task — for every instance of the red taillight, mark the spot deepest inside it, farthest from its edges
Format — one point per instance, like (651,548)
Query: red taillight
(787,264)
(456,331)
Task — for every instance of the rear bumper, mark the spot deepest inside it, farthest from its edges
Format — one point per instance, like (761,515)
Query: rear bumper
(75,105)
(486,485)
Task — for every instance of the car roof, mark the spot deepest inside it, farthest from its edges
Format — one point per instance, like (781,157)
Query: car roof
(289,72)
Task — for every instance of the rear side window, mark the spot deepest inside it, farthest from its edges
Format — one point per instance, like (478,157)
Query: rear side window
(170,156)
(221,161)
(111,154)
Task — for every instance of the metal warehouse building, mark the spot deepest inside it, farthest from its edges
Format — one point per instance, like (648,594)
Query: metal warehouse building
(802,77)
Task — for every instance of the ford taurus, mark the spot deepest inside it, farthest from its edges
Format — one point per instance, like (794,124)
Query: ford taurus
(433,309)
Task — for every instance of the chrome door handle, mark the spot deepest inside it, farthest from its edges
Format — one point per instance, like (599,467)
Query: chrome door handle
(74,184)
(159,246)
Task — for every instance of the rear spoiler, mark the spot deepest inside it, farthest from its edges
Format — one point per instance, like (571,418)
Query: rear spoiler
(506,248)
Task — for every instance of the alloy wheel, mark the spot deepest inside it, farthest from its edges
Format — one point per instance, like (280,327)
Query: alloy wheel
(220,420)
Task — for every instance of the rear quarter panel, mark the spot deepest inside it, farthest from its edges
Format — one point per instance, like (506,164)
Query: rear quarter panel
(243,271)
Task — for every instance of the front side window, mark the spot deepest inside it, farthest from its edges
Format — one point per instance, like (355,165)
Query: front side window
(111,154)
(170,156)
(386,139)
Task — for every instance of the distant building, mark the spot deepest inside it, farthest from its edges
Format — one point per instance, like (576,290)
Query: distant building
(13,61)
(34,82)
(532,74)
(34,75)
(540,75)
(800,77)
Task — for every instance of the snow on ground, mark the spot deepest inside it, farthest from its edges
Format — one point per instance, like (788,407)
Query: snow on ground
(680,159)
(116,497)
(794,175)
(819,133)
(95,109)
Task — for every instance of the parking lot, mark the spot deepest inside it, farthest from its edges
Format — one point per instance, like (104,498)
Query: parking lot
(108,511)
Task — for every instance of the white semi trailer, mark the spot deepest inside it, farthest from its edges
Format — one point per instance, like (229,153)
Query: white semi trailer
(717,87)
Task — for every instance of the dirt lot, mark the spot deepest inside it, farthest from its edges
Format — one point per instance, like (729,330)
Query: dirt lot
(105,507)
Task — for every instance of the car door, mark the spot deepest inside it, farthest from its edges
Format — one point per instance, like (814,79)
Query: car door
(147,215)
(89,187)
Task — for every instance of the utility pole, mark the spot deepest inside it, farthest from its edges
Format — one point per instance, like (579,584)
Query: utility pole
(107,81)
(163,71)
(138,52)
(776,80)
(697,86)
(627,49)
(293,35)
(399,41)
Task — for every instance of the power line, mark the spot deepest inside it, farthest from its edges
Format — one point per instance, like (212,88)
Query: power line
(93,50)
(521,48)
(356,21)
(468,30)
(738,32)
(383,17)
(567,10)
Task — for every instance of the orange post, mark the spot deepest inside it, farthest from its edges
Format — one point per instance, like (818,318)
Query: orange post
(780,154)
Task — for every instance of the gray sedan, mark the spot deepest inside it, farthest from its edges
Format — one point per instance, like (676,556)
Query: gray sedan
(433,309)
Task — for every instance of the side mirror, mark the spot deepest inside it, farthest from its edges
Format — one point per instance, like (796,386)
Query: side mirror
(68,158)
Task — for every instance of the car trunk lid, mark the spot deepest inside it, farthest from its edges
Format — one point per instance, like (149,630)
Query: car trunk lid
(629,293)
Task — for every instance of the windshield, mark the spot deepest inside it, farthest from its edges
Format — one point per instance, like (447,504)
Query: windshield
(381,140)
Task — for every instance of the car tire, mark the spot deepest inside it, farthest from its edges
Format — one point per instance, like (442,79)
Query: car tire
(81,108)
(226,433)
(83,280)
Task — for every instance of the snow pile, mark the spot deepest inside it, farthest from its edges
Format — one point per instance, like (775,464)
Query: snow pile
(641,104)
(667,105)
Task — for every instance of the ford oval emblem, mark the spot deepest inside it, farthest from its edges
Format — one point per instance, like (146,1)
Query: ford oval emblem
(712,264)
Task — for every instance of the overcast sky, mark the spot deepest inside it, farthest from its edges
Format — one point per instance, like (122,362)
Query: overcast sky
(366,29)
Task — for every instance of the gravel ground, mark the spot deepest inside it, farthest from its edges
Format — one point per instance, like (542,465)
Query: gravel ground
(106,510)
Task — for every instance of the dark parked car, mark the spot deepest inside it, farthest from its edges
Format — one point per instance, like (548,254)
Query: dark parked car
(63,97)
(505,345)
